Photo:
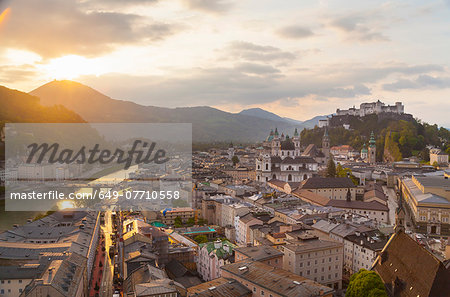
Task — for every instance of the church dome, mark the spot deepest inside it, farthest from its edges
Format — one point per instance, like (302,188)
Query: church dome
(287,145)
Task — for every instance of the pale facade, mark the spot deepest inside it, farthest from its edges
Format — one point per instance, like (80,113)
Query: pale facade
(316,259)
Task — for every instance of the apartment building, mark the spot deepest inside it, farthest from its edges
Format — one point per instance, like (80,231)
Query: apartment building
(361,250)
(428,199)
(185,213)
(316,259)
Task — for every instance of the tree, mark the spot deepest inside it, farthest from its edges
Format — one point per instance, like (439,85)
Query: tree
(201,239)
(235,160)
(346,172)
(331,168)
(435,164)
(178,223)
(202,222)
(191,222)
(365,283)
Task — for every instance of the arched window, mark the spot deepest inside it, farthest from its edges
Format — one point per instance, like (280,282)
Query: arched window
(290,177)
(274,176)
(305,177)
(267,166)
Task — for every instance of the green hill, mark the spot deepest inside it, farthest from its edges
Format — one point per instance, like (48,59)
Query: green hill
(398,138)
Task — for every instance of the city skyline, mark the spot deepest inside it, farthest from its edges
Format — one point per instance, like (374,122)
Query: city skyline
(298,60)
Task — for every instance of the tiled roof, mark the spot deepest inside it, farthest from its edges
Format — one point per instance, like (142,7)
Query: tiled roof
(328,182)
(259,253)
(356,204)
(417,271)
(310,197)
(282,282)
(220,287)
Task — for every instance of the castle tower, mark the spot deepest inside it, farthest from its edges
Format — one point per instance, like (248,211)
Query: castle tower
(296,140)
(326,144)
(372,149)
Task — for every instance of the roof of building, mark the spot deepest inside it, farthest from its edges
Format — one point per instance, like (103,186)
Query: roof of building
(309,242)
(325,226)
(247,218)
(356,204)
(310,197)
(421,197)
(345,229)
(416,272)
(375,193)
(282,282)
(327,182)
(259,253)
(156,287)
(220,287)
(63,275)
(223,251)
(434,181)
(372,240)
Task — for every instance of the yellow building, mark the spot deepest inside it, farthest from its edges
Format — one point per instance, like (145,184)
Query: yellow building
(428,198)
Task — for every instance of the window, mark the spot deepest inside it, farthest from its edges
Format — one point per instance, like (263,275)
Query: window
(262,293)
(254,289)
(20,281)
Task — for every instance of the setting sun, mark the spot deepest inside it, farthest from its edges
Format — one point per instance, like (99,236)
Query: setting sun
(66,204)
(70,67)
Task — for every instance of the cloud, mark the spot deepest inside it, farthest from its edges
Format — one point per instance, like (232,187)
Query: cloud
(15,74)
(421,82)
(250,83)
(358,26)
(253,52)
(53,28)
(259,69)
(295,32)
(211,6)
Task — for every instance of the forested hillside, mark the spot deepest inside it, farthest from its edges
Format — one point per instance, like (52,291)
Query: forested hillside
(395,139)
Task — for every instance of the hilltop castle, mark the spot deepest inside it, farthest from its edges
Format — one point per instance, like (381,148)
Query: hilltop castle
(372,108)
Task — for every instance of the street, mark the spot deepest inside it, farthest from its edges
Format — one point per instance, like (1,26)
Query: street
(106,288)
(392,203)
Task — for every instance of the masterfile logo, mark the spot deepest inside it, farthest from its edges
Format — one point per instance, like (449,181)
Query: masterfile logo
(98,166)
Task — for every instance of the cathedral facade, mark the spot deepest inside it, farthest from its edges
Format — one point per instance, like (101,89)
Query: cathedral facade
(281,159)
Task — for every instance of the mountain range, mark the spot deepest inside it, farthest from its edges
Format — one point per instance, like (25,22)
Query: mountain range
(208,124)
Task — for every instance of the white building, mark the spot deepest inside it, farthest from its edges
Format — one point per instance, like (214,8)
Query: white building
(281,159)
(438,156)
(361,249)
(212,256)
(316,259)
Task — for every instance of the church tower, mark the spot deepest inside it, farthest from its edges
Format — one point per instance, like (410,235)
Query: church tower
(372,149)
(326,144)
(296,140)
(276,143)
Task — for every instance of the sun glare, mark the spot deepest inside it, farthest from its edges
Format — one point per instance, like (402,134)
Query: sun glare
(4,14)
(70,67)
(66,204)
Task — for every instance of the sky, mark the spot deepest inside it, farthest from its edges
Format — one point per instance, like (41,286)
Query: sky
(297,59)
